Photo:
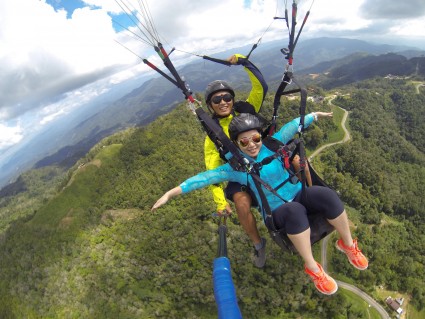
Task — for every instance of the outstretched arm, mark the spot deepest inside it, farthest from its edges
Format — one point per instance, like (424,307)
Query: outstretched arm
(220,174)
(319,115)
(167,196)
(291,128)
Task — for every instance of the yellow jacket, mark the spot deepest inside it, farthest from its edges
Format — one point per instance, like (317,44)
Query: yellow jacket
(256,98)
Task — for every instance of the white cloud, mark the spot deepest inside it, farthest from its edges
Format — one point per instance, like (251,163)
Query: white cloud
(413,28)
(47,54)
(10,135)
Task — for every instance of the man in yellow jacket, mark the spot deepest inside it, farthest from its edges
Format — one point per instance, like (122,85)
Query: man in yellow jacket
(220,99)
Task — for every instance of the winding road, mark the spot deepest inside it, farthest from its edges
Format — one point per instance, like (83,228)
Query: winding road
(384,314)
(346,137)
(418,85)
(372,303)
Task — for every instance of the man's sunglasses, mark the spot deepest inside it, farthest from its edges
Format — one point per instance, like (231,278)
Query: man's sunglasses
(226,97)
(244,142)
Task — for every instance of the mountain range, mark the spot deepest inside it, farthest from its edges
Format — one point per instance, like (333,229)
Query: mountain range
(337,61)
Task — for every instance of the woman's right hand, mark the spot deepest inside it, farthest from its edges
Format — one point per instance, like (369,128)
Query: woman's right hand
(167,196)
(164,199)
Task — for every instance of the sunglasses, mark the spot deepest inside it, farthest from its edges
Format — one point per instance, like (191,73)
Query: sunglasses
(226,97)
(255,138)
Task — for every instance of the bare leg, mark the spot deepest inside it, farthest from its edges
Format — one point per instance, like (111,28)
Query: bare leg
(341,225)
(243,208)
(302,243)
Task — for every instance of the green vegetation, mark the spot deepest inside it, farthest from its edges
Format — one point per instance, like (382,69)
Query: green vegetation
(32,189)
(338,134)
(360,308)
(84,244)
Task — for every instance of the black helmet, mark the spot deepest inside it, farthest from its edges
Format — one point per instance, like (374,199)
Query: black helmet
(244,122)
(215,86)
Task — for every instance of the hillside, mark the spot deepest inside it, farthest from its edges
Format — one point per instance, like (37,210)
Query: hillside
(95,250)
(359,67)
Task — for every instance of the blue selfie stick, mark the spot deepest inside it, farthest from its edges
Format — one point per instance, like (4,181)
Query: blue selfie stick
(224,289)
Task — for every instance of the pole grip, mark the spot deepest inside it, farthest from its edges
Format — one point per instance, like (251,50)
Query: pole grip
(224,290)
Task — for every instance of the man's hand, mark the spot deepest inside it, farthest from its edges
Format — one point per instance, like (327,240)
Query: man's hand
(233,59)
(225,212)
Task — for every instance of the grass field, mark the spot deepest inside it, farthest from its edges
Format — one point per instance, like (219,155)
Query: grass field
(361,305)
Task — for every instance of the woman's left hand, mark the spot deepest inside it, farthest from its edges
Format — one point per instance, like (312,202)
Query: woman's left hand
(324,114)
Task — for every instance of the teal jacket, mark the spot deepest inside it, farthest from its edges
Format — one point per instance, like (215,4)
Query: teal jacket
(274,173)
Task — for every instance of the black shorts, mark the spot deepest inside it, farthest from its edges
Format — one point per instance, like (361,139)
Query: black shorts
(233,187)
(293,216)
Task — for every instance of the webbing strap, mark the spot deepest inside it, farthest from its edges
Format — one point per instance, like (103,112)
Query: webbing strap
(224,145)
(265,206)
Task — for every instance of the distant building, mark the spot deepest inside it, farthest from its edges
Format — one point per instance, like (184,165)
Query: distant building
(394,304)
(316,98)
(400,301)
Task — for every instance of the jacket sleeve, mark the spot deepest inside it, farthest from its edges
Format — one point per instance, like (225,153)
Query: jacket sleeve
(220,174)
(259,86)
(288,131)
(213,160)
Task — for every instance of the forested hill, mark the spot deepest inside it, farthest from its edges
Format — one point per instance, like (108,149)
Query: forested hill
(361,66)
(91,247)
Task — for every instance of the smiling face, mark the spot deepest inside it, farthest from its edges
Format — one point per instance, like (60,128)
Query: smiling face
(222,103)
(250,142)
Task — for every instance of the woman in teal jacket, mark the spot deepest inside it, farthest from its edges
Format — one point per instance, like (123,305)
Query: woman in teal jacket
(289,208)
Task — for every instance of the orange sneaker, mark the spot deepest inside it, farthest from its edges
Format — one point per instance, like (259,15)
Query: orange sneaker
(354,254)
(323,282)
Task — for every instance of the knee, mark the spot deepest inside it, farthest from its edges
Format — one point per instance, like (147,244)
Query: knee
(293,217)
(297,223)
(242,202)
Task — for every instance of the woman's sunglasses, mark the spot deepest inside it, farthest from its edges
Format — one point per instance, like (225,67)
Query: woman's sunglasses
(244,142)
(226,97)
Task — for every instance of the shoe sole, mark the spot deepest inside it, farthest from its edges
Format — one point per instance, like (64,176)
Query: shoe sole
(349,260)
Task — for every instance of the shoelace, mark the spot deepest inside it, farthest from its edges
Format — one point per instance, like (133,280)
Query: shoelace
(354,249)
(320,276)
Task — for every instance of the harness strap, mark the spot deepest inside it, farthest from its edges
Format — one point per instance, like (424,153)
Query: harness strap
(265,206)
(222,141)
(285,151)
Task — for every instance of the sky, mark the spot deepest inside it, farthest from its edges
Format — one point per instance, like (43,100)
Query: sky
(57,55)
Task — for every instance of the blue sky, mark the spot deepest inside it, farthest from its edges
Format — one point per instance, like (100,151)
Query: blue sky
(58,54)
(121,20)
(68,5)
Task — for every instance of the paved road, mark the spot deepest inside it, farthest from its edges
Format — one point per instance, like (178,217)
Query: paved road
(325,240)
(418,85)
